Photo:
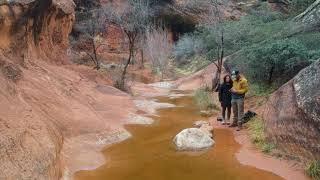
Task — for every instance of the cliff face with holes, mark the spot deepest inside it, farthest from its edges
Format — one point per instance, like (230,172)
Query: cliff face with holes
(292,114)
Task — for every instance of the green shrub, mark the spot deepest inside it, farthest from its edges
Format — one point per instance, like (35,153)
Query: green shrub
(203,99)
(309,39)
(313,170)
(255,61)
(248,30)
(268,47)
(276,61)
(257,135)
(258,89)
(298,6)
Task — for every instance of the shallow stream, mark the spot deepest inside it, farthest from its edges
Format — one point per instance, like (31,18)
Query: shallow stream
(151,155)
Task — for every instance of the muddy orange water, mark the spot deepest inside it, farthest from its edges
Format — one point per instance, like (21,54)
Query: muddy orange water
(151,155)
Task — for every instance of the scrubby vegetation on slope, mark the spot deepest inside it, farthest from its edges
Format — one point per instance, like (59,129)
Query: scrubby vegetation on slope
(268,46)
(257,135)
(313,170)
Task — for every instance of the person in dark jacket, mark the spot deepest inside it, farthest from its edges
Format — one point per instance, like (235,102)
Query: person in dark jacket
(225,98)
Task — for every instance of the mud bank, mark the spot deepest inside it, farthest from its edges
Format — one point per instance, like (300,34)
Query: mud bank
(249,155)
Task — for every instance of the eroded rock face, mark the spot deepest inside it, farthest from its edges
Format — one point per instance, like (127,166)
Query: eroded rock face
(292,113)
(30,140)
(34,27)
(193,139)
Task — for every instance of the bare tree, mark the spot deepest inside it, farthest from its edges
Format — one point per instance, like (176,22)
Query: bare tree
(133,21)
(159,49)
(90,30)
(214,21)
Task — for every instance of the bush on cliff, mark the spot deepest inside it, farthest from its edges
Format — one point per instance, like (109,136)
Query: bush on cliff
(276,61)
(313,170)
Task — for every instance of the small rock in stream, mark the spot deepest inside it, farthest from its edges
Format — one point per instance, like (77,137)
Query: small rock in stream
(193,139)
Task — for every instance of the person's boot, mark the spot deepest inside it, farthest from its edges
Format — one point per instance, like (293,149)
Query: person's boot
(228,121)
(223,122)
(239,127)
(233,124)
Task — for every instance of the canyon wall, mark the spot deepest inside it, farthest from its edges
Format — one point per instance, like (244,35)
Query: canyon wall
(30,142)
(39,28)
(54,116)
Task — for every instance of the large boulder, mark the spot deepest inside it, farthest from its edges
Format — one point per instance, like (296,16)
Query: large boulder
(193,139)
(292,113)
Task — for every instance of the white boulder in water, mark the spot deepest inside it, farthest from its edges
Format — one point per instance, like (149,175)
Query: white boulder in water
(193,139)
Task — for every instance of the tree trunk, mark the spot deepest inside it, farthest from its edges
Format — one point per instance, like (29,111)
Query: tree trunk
(216,79)
(131,48)
(97,62)
(142,58)
(270,75)
(123,76)
(222,52)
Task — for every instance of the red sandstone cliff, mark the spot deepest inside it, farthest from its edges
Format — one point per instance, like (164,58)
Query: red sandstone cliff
(49,108)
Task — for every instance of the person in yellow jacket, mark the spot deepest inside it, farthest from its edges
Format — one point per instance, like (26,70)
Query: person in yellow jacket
(238,91)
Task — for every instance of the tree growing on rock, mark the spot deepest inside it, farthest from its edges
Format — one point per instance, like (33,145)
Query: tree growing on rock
(87,33)
(133,22)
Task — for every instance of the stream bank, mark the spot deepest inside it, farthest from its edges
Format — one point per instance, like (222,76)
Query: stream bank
(150,153)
